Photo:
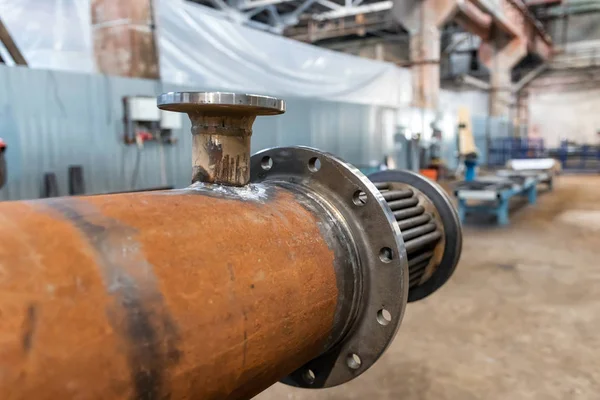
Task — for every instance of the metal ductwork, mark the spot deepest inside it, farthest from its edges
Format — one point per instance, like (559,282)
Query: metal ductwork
(288,265)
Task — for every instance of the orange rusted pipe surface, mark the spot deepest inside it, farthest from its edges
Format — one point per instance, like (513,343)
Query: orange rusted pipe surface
(186,294)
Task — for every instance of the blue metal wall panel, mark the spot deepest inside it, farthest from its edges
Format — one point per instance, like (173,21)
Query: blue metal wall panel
(51,120)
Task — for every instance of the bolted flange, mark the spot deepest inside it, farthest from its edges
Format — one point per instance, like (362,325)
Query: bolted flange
(373,290)
(221,129)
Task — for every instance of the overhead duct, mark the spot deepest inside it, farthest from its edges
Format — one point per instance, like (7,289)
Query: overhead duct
(424,19)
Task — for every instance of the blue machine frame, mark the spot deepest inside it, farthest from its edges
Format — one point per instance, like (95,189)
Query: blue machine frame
(584,158)
(496,201)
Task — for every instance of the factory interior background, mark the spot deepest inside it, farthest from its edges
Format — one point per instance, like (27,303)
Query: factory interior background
(496,100)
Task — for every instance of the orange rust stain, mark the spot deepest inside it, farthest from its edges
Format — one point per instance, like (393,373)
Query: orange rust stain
(251,285)
(55,338)
(250,288)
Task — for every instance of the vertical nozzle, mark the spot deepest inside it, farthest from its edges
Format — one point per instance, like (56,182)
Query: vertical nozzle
(221,130)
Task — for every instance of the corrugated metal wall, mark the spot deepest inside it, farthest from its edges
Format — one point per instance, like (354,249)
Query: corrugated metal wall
(51,120)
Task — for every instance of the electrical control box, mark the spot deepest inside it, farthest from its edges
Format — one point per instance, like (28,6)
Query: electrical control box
(170,120)
(142,109)
(145,123)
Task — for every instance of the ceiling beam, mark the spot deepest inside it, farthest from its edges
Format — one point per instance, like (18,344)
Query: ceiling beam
(249,4)
(354,10)
(10,45)
(330,4)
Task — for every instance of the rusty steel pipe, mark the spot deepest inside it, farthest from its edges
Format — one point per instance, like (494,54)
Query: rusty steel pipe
(208,292)
(151,295)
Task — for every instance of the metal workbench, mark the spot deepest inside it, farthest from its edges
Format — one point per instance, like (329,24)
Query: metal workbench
(492,194)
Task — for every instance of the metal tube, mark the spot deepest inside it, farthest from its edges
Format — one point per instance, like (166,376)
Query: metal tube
(151,295)
(397,194)
(401,204)
(221,148)
(419,231)
(422,241)
(420,258)
(414,221)
(417,272)
(409,212)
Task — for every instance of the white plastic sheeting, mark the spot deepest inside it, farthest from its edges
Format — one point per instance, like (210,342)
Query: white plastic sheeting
(51,34)
(199,46)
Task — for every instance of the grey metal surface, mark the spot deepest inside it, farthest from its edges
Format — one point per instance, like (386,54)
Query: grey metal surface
(220,101)
(381,279)
(51,120)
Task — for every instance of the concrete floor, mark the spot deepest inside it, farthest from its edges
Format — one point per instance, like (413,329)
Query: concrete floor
(520,319)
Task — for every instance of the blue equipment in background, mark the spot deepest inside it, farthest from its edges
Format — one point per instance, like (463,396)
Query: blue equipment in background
(470,168)
(578,158)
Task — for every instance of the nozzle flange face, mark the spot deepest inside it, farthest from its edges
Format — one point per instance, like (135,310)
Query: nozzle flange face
(381,279)
(220,103)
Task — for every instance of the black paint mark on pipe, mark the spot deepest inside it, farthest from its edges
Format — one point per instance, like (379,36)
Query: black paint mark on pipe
(138,314)
(29,327)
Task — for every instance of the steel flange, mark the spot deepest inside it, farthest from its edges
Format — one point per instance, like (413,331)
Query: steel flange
(381,278)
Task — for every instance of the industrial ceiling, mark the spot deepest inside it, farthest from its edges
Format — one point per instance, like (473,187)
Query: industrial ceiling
(310,20)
